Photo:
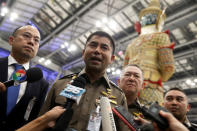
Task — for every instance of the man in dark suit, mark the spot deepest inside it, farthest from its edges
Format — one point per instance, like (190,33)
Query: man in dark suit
(25,43)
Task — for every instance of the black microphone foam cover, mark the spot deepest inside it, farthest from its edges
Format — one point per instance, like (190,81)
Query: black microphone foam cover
(34,74)
(147,127)
(79,81)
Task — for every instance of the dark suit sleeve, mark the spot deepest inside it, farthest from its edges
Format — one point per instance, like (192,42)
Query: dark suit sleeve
(48,103)
(44,85)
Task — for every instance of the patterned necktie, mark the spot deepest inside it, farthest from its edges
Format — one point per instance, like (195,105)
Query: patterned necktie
(13,91)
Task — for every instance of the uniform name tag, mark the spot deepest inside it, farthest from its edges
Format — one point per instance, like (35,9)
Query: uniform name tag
(95,120)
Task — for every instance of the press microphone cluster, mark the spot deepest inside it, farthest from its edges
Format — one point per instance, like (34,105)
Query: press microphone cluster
(73,93)
(151,113)
(108,123)
(32,75)
(126,117)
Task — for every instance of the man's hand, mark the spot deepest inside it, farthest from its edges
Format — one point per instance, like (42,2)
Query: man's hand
(45,121)
(174,124)
(141,121)
(2,87)
(53,114)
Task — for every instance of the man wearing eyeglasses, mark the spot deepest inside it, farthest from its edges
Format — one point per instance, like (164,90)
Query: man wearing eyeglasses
(131,81)
(17,107)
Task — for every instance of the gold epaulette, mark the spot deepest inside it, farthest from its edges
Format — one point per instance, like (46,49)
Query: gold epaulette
(114,85)
(70,76)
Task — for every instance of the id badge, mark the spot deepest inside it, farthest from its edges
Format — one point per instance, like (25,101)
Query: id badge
(29,108)
(94,120)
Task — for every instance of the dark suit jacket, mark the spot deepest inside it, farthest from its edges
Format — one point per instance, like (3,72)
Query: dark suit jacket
(36,90)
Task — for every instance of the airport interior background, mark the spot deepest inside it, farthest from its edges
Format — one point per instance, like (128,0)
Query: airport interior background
(66,24)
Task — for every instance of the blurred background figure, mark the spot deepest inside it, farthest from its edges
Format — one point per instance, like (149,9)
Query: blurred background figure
(152,52)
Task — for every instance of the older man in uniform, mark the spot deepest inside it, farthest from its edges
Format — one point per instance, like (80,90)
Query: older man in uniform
(97,55)
(131,81)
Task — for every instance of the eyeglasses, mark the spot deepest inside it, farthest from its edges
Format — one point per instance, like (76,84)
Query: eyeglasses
(134,75)
(29,36)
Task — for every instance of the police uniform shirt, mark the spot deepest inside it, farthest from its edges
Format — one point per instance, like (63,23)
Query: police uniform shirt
(87,103)
(132,108)
(189,125)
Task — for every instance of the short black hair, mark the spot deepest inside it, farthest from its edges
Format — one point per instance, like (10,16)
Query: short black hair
(103,34)
(175,89)
(14,32)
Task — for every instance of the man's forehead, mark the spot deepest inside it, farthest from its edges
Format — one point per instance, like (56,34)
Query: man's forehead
(29,29)
(99,38)
(133,69)
(175,93)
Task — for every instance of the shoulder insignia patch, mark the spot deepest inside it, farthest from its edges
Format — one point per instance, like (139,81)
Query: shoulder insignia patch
(114,85)
(73,76)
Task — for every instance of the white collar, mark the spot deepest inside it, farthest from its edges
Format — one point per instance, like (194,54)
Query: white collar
(11,61)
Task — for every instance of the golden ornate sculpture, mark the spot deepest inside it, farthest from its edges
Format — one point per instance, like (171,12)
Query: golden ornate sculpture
(152,51)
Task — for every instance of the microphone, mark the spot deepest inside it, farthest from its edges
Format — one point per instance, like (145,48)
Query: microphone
(73,93)
(147,127)
(32,75)
(126,117)
(108,123)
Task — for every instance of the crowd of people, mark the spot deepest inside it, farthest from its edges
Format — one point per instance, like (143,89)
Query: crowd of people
(98,53)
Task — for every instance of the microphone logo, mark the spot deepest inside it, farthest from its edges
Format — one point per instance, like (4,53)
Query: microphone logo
(19,75)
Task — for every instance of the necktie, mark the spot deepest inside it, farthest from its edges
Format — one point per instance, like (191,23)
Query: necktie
(13,91)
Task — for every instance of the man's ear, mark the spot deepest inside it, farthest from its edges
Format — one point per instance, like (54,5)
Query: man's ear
(188,107)
(83,53)
(112,59)
(11,40)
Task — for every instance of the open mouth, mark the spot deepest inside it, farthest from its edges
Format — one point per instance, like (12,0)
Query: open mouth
(96,59)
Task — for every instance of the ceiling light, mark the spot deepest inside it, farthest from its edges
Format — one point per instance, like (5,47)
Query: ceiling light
(98,24)
(105,28)
(188,81)
(113,73)
(108,70)
(104,20)
(193,84)
(66,44)
(118,71)
(195,80)
(112,24)
(72,48)
(4,11)
(41,60)
(113,69)
(47,62)
(63,46)
(13,16)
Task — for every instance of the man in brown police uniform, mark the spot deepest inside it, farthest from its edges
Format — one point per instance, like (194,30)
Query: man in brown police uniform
(131,82)
(97,55)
